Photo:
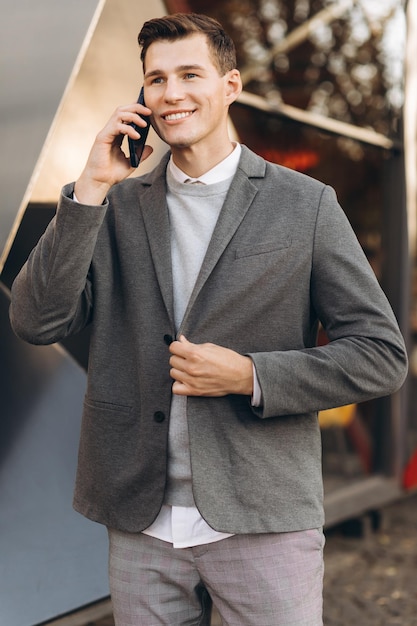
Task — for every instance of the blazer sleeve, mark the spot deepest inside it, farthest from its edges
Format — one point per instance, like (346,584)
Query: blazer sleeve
(51,297)
(365,357)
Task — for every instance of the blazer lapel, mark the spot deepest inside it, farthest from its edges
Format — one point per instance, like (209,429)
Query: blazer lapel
(155,215)
(240,197)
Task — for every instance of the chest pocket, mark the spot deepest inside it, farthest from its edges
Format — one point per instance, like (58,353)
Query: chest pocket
(262,248)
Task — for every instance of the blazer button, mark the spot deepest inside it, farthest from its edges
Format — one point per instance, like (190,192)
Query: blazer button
(168,339)
(159,416)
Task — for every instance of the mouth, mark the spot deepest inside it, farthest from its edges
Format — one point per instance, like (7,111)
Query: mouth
(180,115)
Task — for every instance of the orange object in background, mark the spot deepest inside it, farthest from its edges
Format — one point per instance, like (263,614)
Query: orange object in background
(348,419)
(341,416)
(300,160)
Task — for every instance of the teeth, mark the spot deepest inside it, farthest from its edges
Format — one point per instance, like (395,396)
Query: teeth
(177,116)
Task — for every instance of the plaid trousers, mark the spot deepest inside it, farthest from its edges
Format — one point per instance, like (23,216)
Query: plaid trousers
(253,580)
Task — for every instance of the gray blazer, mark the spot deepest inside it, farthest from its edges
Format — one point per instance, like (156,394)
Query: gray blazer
(282,257)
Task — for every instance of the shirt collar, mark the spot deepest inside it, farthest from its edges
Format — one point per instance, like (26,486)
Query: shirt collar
(222,171)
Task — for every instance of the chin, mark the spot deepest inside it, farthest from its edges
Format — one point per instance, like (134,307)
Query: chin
(178,141)
(182,145)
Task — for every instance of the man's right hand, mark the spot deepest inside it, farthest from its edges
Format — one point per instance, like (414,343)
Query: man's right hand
(107,164)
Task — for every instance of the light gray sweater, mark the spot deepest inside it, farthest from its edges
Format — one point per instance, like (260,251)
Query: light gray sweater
(193,211)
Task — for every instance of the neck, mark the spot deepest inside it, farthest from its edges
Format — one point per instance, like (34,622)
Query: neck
(195,162)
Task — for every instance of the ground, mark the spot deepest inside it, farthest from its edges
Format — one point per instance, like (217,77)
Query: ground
(370,579)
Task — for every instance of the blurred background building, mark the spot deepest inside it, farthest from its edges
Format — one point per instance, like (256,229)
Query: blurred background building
(330,89)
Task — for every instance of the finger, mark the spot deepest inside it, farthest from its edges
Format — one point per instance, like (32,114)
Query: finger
(128,119)
(180,389)
(133,113)
(180,346)
(180,385)
(177,363)
(177,374)
(135,107)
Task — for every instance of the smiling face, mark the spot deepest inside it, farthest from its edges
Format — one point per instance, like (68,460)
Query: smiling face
(188,97)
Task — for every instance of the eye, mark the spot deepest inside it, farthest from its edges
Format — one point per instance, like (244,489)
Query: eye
(190,75)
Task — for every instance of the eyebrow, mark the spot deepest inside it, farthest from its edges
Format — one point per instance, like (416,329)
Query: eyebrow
(179,68)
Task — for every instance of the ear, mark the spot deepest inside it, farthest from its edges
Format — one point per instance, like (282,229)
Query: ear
(233,85)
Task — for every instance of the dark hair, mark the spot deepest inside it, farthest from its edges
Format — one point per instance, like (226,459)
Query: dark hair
(181,25)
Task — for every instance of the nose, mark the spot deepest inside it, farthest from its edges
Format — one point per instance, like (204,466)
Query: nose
(174,91)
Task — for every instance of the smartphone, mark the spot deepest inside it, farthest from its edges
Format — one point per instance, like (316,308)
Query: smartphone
(136,145)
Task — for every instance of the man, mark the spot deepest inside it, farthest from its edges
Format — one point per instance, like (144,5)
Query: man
(200,446)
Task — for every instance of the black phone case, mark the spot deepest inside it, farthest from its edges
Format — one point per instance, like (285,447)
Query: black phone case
(136,145)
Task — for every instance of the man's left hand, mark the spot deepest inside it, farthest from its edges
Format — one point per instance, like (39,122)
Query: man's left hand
(209,370)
